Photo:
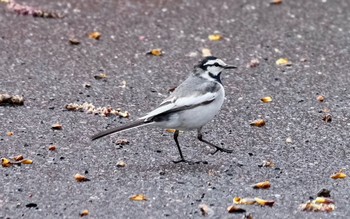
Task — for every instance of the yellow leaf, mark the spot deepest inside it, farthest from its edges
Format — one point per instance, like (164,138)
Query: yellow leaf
(9,133)
(84,213)
(264,202)
(339,175)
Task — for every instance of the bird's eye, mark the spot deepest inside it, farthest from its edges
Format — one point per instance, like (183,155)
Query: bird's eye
(216,64)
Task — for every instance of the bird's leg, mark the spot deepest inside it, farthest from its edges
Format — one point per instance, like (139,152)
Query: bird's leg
(176,134)
(200,137)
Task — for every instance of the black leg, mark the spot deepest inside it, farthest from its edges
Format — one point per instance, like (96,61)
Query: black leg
(200,137)
(176,134)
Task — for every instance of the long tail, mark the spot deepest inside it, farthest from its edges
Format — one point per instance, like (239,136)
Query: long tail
(121,128)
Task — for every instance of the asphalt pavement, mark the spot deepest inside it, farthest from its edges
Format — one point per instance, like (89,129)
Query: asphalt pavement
(303,142)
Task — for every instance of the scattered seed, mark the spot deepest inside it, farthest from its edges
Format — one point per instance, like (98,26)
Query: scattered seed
(253,63)
(204,209)
(18,157)
(9,133)
(101,76)
(264,202)
(5,162)
(26,161)
(122,142)
(268,163)
(243,201)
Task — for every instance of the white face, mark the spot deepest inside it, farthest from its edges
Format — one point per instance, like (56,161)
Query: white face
(215,66)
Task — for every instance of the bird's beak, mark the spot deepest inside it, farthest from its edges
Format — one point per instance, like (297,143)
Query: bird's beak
(230,67)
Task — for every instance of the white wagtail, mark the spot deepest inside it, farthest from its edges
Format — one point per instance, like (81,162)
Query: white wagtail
(192,104)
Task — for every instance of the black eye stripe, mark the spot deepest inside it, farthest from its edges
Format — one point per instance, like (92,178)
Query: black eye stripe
(215,64)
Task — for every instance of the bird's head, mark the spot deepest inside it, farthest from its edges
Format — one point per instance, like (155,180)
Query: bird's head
(212,67)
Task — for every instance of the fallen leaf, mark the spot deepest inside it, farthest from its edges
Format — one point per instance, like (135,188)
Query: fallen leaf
(327,118)
(276,2)
(52,148)
(84,213)
(244,201)
(139,197)
(235,209)
(5,162)
(320,98)
(101,76)
(121,164)
(155,52)
(315,207)
(262,185)
(18,157)
(283,62)
(80,178)
(206,52)
(95,35)
(264,202)
(253,63)
(122,142)
(56,126)
(9,133)
(323,200)
(205,210)
(258,123)
(267,99)
(339,175)
(26,161)
(215,37)
(74,41)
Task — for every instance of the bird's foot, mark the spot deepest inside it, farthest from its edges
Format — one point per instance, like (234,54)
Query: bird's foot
(222,150)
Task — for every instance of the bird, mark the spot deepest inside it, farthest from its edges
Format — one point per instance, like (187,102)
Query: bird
(192,104)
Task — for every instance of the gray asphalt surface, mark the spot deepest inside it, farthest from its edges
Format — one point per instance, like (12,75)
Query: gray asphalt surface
(38,62)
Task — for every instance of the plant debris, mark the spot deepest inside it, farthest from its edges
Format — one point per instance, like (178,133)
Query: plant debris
(339,175)
(89,108)
(155,52)
(283,62)
(327,118)
(320,98)
(17,160)
(215,37)
(139,197)
(52,148)
(9,134)
(95,35)
(253,63)
(276,2)
(15,100)
(122,142)
(267,163)
(205,209)
(258,123)
(121,164)
(81,178)
(317,206)
(235,209)
(22,9)
(101,76)
(74,41)
(56,126)
(267,99)
(5,162)
(262,185)
(253,201)
(206,52)
(18,157)
(84,213)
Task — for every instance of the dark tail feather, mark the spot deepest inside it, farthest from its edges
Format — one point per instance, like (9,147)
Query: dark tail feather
(121,128)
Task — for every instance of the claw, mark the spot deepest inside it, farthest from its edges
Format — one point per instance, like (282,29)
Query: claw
(184,161)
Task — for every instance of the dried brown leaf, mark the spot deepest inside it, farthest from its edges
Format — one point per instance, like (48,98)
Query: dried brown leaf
(139,197)
(155,52)
(95,35)
(258,123)
(52,147)
(267,99)
(26,161)
(18,157)
(80,178)
(84,213)
(339,175)
(5,162)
